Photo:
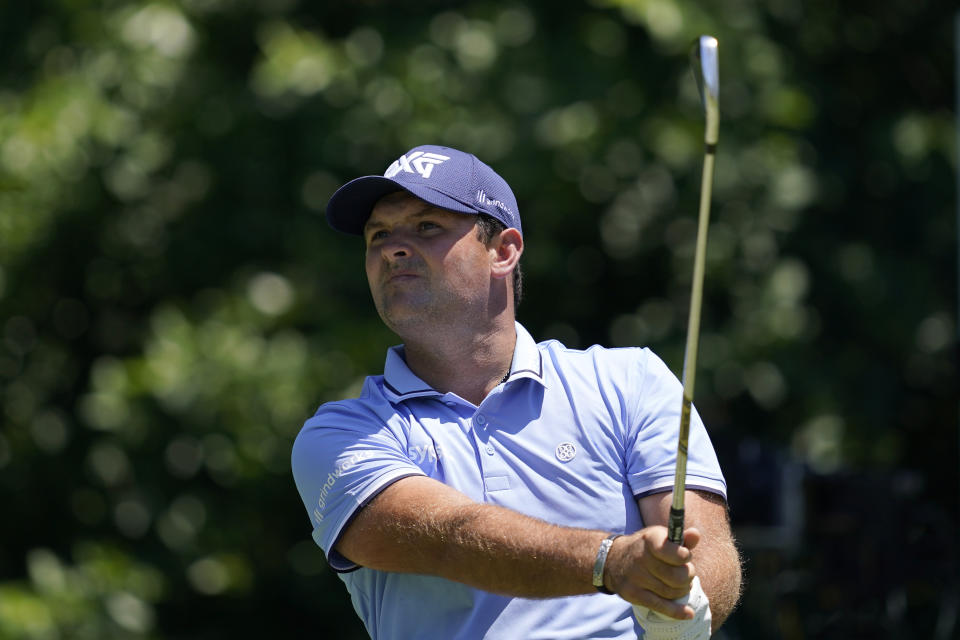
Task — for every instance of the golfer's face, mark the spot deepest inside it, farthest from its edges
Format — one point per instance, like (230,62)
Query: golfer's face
(424,264)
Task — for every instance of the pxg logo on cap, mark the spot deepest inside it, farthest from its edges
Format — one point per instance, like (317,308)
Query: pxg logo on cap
(418,162)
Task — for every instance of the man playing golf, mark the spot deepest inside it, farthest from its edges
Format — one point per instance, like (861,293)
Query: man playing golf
(486,486)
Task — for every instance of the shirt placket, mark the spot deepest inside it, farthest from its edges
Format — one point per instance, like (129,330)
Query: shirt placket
(494,470)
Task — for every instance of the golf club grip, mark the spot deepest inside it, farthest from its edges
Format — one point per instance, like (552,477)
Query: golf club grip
(675,526)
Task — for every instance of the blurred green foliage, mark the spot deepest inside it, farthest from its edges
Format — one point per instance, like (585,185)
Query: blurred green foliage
(172,305)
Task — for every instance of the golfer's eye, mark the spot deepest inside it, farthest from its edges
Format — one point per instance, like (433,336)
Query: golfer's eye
(377,235)
(426,225)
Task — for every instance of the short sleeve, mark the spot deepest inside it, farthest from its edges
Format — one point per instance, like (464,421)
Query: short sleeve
(654,430)
(344,456)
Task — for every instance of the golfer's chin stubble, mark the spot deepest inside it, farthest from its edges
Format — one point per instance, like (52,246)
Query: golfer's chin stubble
(421,308)
(399,312)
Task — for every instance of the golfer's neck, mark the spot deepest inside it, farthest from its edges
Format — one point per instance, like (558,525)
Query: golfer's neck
(468,365)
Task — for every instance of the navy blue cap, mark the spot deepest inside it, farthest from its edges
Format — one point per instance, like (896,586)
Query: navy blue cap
(444,177)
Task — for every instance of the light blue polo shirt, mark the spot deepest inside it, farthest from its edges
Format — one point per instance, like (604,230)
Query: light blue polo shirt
(572,437)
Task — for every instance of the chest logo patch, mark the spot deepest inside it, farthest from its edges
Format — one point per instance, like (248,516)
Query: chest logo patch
(566,451)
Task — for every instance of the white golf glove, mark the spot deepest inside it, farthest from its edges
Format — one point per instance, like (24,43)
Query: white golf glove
(657,626)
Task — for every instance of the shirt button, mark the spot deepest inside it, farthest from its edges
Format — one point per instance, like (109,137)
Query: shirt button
(490,449)
(481,420)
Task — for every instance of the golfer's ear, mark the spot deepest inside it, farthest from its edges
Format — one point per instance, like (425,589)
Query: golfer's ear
(506,249)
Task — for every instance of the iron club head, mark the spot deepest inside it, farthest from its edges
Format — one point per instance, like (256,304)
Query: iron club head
(706,70)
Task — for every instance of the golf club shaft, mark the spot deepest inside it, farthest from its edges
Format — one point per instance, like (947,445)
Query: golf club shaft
(706,72)
(675,527)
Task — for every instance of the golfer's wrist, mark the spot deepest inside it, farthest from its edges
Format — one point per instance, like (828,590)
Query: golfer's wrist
(601,573)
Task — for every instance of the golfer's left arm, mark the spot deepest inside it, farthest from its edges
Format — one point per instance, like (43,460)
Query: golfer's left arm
(715,558)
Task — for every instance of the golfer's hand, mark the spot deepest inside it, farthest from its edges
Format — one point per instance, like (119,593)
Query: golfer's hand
(656,626)
(645,568)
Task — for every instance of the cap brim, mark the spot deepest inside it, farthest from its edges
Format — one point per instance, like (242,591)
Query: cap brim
(350,206)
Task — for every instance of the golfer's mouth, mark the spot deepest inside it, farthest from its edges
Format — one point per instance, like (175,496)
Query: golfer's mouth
(401,276)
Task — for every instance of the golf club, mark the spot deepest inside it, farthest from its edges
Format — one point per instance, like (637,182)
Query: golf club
(706,70)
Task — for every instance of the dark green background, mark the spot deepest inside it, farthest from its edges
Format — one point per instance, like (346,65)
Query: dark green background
(173,306)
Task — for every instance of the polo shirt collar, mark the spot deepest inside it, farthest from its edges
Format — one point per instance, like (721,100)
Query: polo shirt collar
(527,359)
(400,383)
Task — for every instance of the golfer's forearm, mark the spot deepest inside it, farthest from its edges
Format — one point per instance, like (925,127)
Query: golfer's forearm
(499,550)
(484,546)
(718,565)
